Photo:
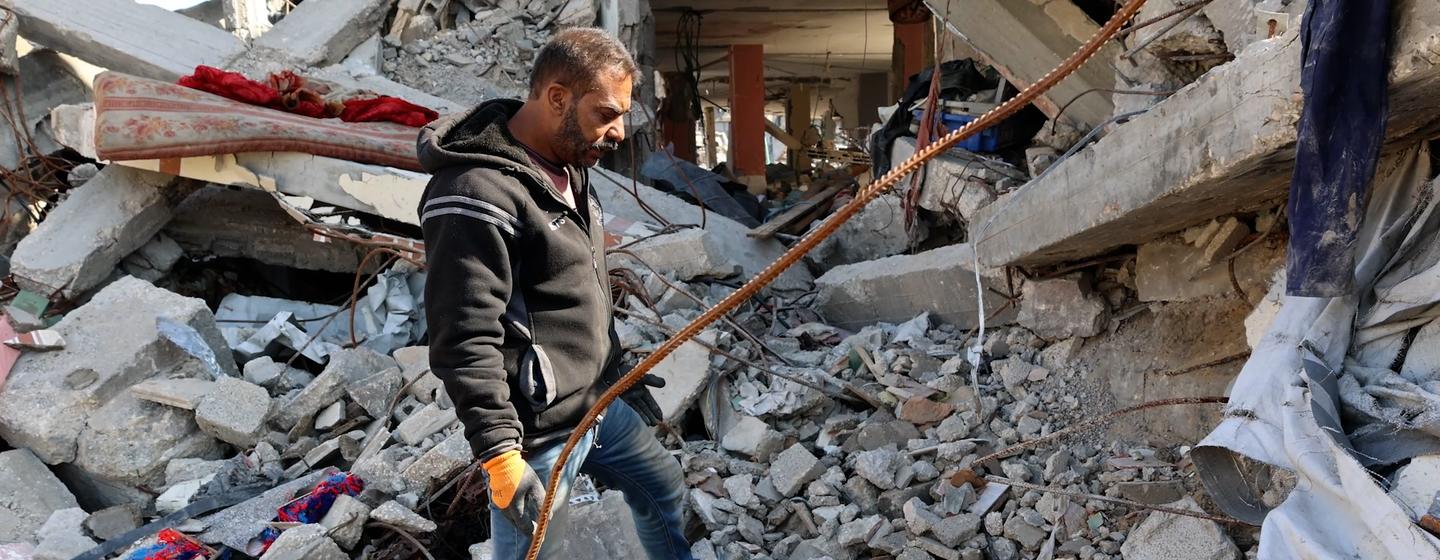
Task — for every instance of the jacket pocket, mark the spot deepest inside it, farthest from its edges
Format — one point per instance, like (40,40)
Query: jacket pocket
(537,378)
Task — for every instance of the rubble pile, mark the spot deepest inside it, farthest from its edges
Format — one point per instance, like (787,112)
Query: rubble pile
(800,475)
(485,54)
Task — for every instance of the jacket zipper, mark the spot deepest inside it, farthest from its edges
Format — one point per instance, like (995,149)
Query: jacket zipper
(584,226)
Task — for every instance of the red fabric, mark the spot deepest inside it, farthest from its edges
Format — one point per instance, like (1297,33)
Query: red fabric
(385,108)
(232,86)
(292,93)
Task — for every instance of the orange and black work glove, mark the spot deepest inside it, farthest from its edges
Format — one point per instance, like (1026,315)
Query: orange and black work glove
(638,395)
(515,489)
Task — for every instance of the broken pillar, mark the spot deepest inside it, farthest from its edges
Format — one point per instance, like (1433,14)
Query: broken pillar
(111,344)
(747,115)
(29,494)
(798,114)
(125,36)
(80,242)
(1025,40)
(711,142)
(1222,145)
(320,33)
(897,289)
(248,223)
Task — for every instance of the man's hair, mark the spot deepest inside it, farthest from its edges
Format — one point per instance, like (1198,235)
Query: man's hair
(577,58)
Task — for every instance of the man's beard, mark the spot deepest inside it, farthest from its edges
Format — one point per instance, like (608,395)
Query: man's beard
(577,150)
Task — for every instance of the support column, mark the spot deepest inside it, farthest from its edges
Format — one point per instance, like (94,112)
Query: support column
(797,123)
(711,146)
(677,117)
(914,46)
(747,115)
(247,19)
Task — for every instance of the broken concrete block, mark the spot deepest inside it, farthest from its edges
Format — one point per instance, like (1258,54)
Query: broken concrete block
(600,529)
(184,393)
(306,542)
(322,33)
(1176,537)
(879,466)
(325,389)
(1171,270)
(793,468)
(234,412)
(119,351)
(896,289)
(236,525)
(114,521)
(877,231)
(377,391)
(121,35)
(753,438)
(98,224)
(153,260)
(622,198)
(1158,492)
(127,444)
(424,423)
(689,254)
(446,457)
(62,537)
(686,372)
(346,519)
(400,516)
(1062,308)
(29,495)
(332,416)
(249,223)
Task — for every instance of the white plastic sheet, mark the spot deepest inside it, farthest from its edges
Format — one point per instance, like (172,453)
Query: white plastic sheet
(1318,397)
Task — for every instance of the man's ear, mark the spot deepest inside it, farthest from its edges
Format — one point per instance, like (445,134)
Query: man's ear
(557,98)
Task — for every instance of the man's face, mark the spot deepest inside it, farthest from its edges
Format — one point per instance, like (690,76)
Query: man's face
(594,121)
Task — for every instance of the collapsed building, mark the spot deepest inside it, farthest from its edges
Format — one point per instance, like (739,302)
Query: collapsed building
(215,335)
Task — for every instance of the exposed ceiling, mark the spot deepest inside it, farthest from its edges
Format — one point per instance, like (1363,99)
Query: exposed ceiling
(809,39)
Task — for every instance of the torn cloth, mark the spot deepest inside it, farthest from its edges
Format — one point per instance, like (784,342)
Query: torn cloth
(311,507)
(170,545)
(1344,61)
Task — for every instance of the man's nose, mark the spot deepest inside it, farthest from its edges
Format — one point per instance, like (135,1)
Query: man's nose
(616,133)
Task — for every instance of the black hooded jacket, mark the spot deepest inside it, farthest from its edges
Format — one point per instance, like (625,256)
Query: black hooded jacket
(517,297)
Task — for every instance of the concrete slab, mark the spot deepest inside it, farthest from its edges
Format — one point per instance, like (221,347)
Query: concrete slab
(183,393)
(321,33)
(897,289)
(250,224)
(125,36)
(1224,144)
(234,412)
(29,494)
(78,245)
(1024,40)
(621,198)
(111,344)
(686,372)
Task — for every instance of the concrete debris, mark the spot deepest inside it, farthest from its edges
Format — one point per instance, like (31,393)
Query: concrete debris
(182,393)
(600,528)
(234,411)
(1164,535)
(29,495)
(400,516)
(896,289)
(1171,269)
(305,542)
(1062,308)
(233,223)
(81,241)
(877,231)
(753,438)
(346,521)
(424,423)
(112,522)
(119,35)
(62,537)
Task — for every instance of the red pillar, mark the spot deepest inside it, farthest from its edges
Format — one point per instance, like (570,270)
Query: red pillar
(677,124)
(747,115)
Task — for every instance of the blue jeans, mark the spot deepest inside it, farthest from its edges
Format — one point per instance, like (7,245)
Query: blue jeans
(622,453)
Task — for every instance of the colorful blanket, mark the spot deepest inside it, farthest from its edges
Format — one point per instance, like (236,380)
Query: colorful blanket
(138,118)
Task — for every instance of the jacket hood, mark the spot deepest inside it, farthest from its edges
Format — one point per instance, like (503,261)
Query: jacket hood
(479,136)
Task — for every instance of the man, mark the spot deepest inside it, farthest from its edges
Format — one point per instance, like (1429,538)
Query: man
(518,296)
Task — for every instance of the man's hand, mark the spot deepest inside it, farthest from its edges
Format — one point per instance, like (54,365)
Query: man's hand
(638,395)
(515,489)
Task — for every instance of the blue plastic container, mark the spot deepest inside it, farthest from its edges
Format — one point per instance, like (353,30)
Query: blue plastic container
(987,141)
